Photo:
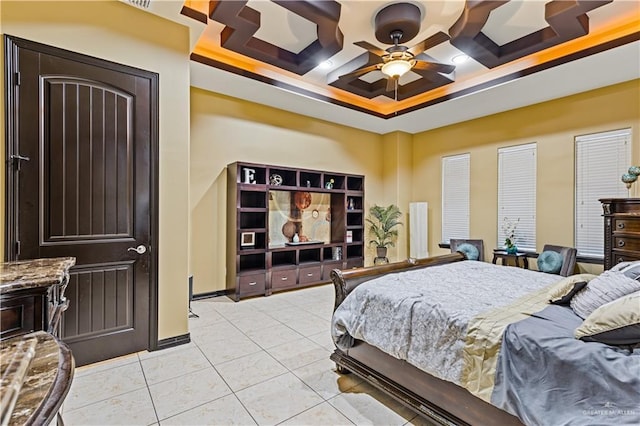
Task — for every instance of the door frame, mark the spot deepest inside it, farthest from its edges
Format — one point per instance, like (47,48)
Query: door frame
(11,81)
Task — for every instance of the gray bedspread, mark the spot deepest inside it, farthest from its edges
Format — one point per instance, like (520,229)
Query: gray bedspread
(422,315)
(547,377)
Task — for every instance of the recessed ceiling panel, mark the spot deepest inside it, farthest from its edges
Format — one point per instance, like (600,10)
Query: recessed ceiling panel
(281,43)
(282,28)
(514,20)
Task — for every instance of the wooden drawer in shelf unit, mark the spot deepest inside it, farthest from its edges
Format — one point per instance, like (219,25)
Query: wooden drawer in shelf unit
(283,278)
(252,284)
(327,267)
(622,256)
(626,243)
(309,274)
(626,225)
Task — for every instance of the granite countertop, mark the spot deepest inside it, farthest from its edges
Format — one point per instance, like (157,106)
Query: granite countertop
(24,274)
(41,383)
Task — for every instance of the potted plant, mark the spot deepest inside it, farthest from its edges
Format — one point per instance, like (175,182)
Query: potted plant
(509,229)
(382,223)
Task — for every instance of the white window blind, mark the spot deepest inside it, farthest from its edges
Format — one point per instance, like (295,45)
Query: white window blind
(601,159)
(517,194)
(455,197)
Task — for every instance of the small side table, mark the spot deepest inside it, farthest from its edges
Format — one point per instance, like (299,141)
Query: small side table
(504,256)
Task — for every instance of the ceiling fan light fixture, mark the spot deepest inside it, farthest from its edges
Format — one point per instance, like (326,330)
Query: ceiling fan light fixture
(459,59)
(396,68)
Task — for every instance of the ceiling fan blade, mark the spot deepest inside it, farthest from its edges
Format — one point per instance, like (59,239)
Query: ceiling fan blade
(434,66)
(391,83)
(371,48)
(360,71)
(434,40)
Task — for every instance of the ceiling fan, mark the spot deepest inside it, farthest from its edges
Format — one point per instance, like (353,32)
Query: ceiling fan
(398,20)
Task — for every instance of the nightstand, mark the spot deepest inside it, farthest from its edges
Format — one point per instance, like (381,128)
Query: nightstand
(517,257)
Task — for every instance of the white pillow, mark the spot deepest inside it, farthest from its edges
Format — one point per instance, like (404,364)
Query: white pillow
(615,323)
(563,291)
(605,288)
(621,265)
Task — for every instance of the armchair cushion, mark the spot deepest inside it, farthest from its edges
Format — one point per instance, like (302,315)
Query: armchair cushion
(550,261)
(478,244)
(470,251)
(568,258)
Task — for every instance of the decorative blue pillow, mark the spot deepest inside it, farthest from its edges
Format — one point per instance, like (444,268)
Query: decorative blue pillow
(550,262)
(469,250)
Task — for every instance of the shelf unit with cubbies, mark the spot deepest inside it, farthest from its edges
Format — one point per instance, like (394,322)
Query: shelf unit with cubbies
(257,267)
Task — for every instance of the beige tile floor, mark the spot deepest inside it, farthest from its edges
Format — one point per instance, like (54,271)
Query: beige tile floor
(259,361)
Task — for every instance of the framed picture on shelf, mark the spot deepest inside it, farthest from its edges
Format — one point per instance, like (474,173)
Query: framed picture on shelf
(247,239)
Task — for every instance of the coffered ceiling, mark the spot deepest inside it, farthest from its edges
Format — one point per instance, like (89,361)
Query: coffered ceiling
(294,55)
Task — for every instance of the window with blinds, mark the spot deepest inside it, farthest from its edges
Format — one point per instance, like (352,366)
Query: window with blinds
(601,158)
(455,197)
(517,194)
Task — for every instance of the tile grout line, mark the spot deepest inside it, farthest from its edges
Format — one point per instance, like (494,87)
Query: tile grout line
(153,404)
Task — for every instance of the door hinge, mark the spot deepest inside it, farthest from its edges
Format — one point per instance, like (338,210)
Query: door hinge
(18,78)
(17,248)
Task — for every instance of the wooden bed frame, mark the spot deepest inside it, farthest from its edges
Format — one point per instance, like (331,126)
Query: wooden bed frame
(443,402)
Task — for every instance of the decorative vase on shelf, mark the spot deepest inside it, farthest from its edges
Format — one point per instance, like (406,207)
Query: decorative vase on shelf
(512,249)
(296,238)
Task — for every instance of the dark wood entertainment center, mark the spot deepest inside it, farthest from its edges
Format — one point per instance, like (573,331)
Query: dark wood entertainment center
(258,266)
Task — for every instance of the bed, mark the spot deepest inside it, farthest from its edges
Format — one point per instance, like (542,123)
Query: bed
(445,336)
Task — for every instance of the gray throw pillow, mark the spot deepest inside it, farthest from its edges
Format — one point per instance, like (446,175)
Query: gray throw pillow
(605,288)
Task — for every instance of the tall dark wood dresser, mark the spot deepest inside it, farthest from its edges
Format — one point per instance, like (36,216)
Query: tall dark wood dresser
(621,230)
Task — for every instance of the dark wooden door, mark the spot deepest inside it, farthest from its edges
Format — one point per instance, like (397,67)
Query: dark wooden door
(89,130)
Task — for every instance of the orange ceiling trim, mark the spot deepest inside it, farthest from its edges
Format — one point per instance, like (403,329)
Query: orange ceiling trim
(205,60)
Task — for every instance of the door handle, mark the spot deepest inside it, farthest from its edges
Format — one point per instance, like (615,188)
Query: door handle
(141,249)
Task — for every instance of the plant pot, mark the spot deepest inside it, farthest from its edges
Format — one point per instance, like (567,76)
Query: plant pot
(381,252)
(512,249)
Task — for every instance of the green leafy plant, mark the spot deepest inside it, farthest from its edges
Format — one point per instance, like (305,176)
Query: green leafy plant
(382,223)
(509,228)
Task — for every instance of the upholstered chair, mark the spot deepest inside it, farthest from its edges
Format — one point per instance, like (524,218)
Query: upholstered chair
(568,258)
(479,244)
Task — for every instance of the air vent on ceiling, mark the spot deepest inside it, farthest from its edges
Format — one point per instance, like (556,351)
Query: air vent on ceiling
(140,3)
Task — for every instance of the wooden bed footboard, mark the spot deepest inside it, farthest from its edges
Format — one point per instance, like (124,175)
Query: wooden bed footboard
(345,281)
(443,402)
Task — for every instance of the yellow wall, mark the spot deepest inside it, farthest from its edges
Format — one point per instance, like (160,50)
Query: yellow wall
(225,130)
(553,126)
(121,33)
(396,179)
